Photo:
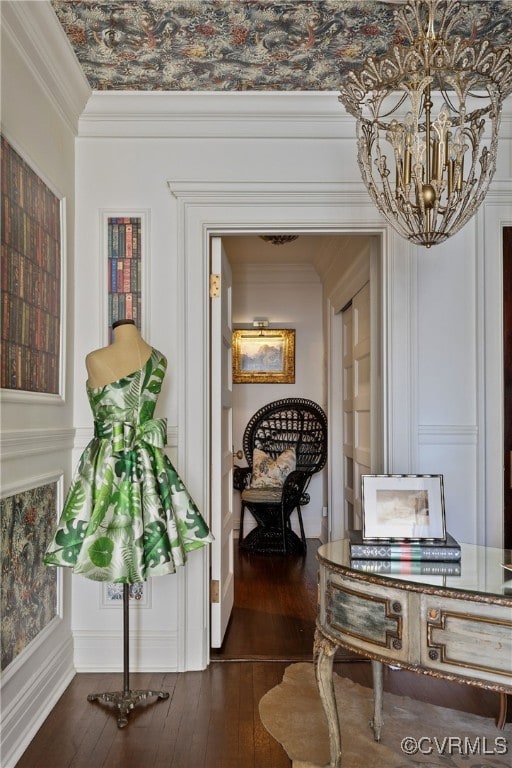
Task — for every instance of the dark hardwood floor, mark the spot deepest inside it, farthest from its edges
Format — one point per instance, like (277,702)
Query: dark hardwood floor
(275,607)
(210,719)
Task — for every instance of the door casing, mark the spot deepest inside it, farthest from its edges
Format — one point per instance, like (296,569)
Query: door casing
(206,209)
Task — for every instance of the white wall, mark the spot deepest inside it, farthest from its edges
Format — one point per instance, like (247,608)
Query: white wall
(447,425)
(39,119)
(289,296)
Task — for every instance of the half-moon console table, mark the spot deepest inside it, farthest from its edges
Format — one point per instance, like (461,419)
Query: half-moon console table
(453,627)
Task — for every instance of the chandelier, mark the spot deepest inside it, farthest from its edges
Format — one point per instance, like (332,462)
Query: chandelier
(428,114)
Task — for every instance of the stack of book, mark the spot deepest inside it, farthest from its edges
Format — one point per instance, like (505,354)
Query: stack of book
(405,558)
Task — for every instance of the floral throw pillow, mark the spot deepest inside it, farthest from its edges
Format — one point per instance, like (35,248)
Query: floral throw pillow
(267,473)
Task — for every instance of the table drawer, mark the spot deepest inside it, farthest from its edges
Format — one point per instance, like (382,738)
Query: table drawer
(467,638)
(367,617)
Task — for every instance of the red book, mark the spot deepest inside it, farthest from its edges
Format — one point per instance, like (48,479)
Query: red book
(129,241)
(126,281)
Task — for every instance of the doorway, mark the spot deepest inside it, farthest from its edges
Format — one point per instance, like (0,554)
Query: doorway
(291,285)
(206,209)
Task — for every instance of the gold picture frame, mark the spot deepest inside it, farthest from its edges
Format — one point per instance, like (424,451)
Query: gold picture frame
(264,356)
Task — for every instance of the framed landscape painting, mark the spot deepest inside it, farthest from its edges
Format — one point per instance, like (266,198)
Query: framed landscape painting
(264,357)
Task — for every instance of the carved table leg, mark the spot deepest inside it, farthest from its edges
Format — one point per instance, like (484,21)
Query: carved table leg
(502,714)
(324,651)
(377,722)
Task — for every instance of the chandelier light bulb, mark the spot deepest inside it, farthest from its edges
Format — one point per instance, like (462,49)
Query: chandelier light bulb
(428,114)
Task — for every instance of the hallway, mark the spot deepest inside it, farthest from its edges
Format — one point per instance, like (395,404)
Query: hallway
(274,611)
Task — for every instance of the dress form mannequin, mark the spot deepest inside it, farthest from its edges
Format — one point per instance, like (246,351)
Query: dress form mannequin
(128,515)
(127,353)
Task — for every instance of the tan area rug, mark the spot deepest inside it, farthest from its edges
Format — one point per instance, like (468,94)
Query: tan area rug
(292,712)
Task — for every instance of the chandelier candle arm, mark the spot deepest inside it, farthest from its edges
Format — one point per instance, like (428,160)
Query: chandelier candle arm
(431,108)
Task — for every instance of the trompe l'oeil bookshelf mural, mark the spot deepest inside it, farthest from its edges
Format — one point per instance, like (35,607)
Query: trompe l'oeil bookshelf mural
(31,278)
(124,254)
(124,269)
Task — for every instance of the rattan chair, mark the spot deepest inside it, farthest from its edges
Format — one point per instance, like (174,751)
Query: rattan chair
(282,424)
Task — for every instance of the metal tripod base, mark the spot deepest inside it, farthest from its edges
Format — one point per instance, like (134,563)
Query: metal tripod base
(125,701)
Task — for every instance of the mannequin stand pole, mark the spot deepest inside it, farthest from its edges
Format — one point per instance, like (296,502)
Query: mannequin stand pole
(126,699)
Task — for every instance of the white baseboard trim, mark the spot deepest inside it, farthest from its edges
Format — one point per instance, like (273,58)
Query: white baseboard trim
(24,715)
(102,651)
(312,530)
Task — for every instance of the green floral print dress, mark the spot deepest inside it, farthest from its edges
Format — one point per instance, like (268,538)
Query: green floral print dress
(127,515)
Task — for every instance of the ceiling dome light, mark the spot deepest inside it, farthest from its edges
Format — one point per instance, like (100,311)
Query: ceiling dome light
(279,239)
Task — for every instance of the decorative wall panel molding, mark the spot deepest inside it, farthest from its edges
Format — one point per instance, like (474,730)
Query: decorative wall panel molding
(30,442)
(447,434)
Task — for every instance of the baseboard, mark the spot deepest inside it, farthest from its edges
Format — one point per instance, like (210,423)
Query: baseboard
(24,715)
(102,651)
(311,530)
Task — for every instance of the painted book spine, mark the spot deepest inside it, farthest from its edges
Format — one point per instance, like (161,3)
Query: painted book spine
(408,567)
(404,552)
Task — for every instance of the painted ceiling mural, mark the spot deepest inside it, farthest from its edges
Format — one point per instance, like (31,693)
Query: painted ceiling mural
(241,45)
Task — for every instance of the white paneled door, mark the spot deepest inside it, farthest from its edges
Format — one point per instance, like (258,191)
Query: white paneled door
(348,416)
(357,401)
(222,576)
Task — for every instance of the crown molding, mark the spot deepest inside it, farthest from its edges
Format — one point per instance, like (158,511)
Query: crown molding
(262,114)
(225,115)
(35,32)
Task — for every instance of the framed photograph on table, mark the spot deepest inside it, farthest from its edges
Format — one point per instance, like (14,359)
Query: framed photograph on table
(264,357)
(403,507)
